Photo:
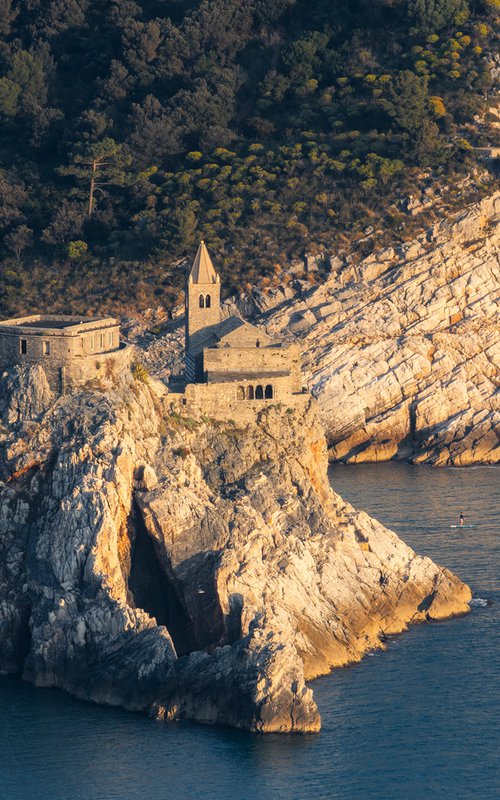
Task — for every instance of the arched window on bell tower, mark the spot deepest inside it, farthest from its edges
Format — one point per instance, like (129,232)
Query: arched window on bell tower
(203,310)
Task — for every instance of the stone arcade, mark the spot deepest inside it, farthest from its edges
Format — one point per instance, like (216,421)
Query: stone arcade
(232,368)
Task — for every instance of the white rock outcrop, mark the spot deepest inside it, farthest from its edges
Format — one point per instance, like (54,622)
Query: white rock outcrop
(187,568)
(402,350)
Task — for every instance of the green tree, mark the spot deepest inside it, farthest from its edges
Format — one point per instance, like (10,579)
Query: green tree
(98,165)
(60,15)
(186,227)
(153,135)
(66,223)
(408,100)
(7,16)
(9,97)
(433,15)
(429,146)
(29,72)
(77,249)
(19,239)
(13,197)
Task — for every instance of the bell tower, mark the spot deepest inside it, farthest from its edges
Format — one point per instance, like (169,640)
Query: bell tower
(202,308)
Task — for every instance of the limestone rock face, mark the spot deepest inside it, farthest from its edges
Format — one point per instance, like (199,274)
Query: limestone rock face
(191,569)
(24,394)
(402,350)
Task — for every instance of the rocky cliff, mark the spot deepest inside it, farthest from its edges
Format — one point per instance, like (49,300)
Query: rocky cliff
(187,568)
(402,348)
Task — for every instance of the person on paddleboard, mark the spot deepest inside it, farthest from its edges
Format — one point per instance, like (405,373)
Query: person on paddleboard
(462,519)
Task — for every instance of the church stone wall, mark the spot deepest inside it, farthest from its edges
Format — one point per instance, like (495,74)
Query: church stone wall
(224,401)
(256,360)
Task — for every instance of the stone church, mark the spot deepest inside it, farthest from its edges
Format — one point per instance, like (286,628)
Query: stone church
(232,369)
(228,361)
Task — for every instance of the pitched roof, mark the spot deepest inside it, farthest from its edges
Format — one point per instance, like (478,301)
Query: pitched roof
(203,270)
(233,323)
(228,325)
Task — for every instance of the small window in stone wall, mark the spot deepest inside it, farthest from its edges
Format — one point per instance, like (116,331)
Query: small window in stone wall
(92,343)
(259,393)
(23,347)
(110,339)
(207,301)
(202,301)
(101,340)
(46,348)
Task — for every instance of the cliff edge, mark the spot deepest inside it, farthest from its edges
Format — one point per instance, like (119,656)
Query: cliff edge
(189,568)
(402,347)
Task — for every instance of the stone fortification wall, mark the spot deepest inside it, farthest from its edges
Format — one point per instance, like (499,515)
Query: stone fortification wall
(62,346)
(58,344)
(64,368)
(69,355)
(69,374)
(90,367)
(230,401)
(258,361)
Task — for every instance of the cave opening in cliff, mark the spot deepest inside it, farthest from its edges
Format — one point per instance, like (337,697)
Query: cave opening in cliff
(154,591)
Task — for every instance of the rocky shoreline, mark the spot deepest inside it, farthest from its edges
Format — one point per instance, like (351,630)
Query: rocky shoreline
(188,568)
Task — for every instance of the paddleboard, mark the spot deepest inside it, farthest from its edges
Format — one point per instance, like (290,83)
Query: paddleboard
(463,526)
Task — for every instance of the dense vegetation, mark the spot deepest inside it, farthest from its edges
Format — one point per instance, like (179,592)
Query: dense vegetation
(268,127)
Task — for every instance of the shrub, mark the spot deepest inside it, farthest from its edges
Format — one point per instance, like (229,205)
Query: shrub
(77,249)
(437,106)
(140,372)
(183,452)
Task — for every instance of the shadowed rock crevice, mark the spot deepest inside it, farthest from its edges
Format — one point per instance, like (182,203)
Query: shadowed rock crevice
(15,640)
(22,642)
(154,591)
(196,576)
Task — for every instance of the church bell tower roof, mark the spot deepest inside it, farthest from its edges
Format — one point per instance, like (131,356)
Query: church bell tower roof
(203,271)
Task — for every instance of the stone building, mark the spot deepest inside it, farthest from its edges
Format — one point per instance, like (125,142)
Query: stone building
(231,365)
(72,350)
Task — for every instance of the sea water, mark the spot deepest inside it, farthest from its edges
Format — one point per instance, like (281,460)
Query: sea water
(417,722)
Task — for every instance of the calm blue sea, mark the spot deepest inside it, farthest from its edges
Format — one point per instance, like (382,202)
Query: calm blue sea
(418,722)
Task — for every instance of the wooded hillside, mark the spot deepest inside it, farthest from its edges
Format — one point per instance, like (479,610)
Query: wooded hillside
(267,127)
